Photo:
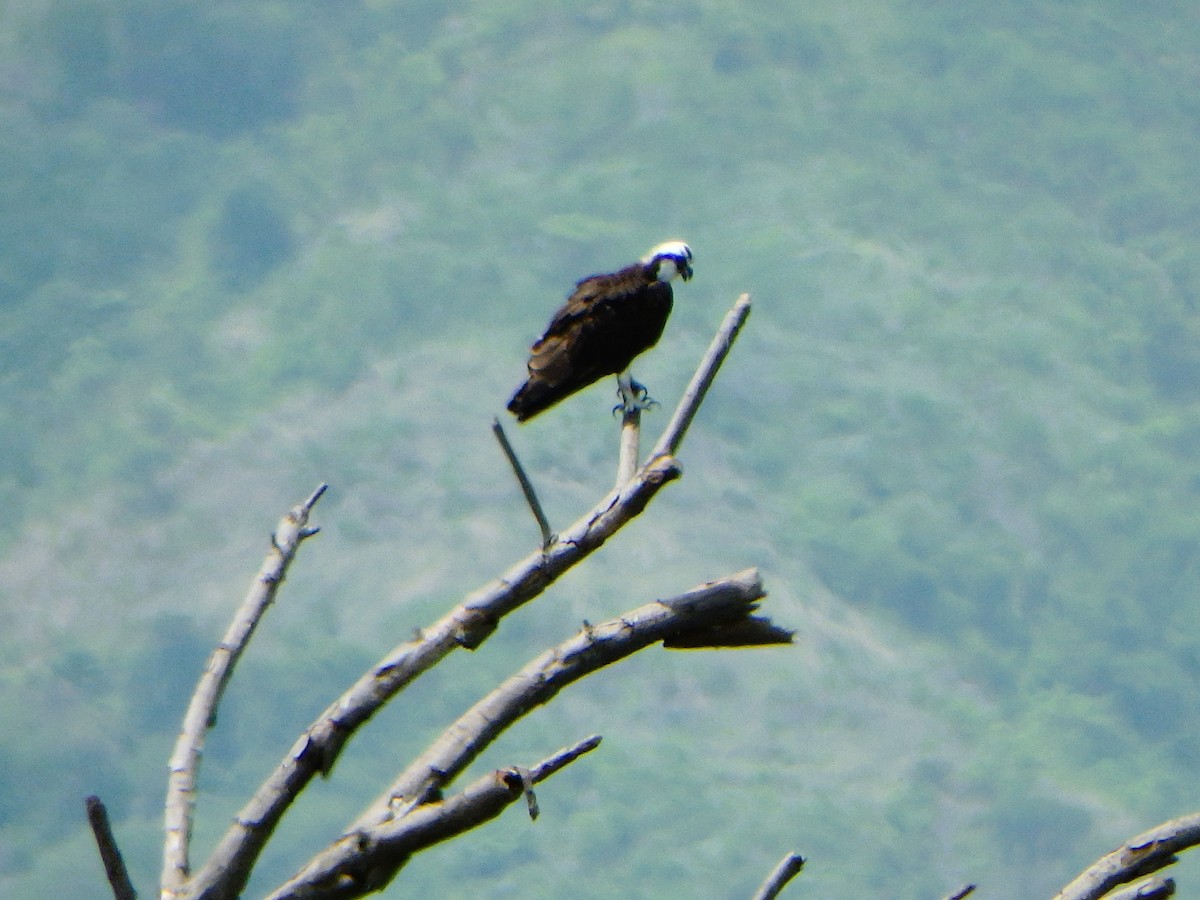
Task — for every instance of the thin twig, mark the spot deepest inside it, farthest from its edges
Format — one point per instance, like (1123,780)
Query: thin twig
(964,891)
(714,603)
(1148,852)
(789,867)
(563,758)
(672,436)
(110,854)
(201,713)
(365,862)
(535,505)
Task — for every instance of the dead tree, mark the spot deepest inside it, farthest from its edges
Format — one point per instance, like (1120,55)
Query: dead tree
(416,811)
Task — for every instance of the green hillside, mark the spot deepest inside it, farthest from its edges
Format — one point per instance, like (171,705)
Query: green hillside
(245,248)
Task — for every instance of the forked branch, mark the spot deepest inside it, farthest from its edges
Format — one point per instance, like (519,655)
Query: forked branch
(696,612)
(418,788)
(382,851)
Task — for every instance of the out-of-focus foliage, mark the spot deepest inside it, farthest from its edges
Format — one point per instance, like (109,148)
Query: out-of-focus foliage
(245,247)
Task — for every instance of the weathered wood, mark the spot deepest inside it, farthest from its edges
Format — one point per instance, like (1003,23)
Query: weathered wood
(420,788)
(202,710)
(787,869)
(1148,852)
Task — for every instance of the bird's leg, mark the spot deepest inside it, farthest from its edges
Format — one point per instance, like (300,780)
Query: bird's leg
(633,396)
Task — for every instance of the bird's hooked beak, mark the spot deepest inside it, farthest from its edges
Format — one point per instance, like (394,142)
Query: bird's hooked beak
(685,270)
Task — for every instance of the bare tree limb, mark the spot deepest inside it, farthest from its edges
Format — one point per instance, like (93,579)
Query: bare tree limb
(467,625)
(594,647)
(964,891)
(1156,887)
(110,854)
(672,436)
(631,434)
(201,713)
(535,505)
(789,867)
(689,404)
(364,863)
(1148,852)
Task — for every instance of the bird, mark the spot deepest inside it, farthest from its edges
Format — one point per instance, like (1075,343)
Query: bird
(608,320)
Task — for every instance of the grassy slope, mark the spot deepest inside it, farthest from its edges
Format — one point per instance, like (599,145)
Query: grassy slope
(958,436)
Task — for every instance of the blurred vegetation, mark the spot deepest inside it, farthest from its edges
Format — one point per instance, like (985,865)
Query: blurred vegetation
(967,405)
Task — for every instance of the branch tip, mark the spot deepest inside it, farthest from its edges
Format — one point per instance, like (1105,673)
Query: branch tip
(705,374)
(787,869)
(563,757)
(314,496)
(110,854)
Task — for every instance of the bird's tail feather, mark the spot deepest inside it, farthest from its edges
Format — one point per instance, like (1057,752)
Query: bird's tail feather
(532,398)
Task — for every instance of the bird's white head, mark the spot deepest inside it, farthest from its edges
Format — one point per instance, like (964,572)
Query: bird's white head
(673,258)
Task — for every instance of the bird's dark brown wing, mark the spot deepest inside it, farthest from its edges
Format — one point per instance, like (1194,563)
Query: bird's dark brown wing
(605,323)
(554,356)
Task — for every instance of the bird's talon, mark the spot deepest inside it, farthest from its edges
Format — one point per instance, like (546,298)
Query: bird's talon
(639,400)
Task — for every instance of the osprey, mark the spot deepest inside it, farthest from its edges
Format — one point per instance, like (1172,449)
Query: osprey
(606,322)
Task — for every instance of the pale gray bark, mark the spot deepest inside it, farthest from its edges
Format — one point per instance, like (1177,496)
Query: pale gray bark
(201,712)
(382,839)
(787,869)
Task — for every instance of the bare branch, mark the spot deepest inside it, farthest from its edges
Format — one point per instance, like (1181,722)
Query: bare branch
(672,437)
(964,891)
(633,400)
(364,862)
(201,713)
(789,867)
(1156,887)
(467,625)
(535,505)
(631,434)
(110,855)
(594,647)
(1148,852)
